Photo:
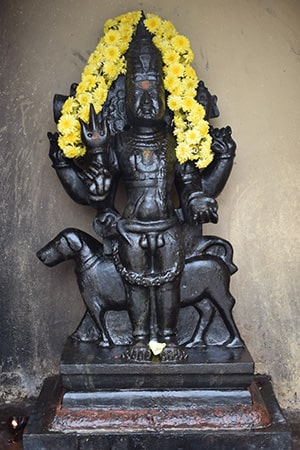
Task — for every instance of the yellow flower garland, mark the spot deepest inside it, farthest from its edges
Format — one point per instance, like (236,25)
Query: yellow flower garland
(107,62)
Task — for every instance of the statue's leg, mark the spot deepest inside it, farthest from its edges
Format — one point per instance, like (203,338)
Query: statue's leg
(139,313)
(224,302)
(167,311)
(235,339)
(87,330)
(206,312)
(95,308)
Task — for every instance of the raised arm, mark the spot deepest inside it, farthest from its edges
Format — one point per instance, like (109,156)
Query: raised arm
(67,172)
(197,207)
(98,176)
(215,176)
(93,183)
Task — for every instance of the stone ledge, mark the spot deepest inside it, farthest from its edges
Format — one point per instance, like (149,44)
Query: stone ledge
(86,366)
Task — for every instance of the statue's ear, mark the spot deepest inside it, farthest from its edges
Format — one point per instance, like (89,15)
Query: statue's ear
(74,242)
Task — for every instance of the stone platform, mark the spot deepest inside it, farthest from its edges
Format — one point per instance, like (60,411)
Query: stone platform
(210,401)
(86,366)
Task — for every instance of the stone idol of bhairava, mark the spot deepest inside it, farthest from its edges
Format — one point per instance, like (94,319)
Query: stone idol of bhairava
(139,119)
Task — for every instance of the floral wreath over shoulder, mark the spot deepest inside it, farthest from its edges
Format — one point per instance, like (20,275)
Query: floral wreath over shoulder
(108,61)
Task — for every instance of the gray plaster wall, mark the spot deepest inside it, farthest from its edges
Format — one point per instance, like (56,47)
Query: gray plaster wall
(248,53)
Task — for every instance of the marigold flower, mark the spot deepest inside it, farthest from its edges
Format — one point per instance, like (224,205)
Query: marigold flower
(67,124)
(108,24)
(126,32)
(112,37)
(180,43)
(110,69)
(206,144)
(135,16)
(188,56)
(188,103)
(87,83)
(74,151)
(174,102)
(168,30)
(152,22)
(203,127)
(112,53)
(70,138)
(91,69)
(196,113)
(183,152)
(69,106)
(162,45)
(84,113)
(193,136)
(170,82)
(85,98)
(190,85)
(179,121)
(180,137)
(201,162)
(98,97)
(170,57)
(93,60)
(131,17)
(190,72)
(176,69)
(178,90)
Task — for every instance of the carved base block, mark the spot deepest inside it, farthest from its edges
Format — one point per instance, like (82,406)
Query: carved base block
(210,401)
(181,419)
(88,367)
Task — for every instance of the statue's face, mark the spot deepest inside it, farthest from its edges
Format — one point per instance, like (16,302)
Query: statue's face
(145,100)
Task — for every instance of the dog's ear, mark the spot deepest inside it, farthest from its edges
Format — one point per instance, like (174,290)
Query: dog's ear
(74,242)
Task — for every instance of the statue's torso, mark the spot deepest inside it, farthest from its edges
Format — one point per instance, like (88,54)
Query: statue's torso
(147,164)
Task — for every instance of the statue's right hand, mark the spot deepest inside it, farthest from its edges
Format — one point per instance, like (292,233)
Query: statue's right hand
(55,153)
(97,179)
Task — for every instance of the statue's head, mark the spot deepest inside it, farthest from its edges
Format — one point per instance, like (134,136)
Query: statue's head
(145,94)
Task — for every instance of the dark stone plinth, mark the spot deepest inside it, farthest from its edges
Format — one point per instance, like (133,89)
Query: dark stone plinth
(130,411)
(88,367)
(39,434)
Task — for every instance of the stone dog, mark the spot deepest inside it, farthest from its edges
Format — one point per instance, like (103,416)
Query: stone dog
(102,288)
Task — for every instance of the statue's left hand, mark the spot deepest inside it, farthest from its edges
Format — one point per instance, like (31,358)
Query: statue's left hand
(94,134)
(202,209)
(223,145)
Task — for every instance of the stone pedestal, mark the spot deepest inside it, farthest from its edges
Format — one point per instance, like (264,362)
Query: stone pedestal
(210,401)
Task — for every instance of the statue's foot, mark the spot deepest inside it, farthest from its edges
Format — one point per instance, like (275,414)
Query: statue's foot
(235,343)
(139,351)
(172,352)
(105,343)
(194,343)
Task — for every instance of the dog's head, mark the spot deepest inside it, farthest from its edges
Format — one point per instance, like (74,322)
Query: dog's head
(64,246)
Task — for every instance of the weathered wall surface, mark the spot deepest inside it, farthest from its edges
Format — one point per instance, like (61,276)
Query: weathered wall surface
(248,53)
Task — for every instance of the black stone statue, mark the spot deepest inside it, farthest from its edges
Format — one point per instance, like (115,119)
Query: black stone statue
(153,259)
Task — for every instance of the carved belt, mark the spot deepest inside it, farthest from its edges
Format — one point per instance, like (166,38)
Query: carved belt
(138,226)
(144,280)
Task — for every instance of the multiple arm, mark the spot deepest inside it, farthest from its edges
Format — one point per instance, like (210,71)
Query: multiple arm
(96,186)
(197,189)
(215,176)
(67,172)
(93,185)
(197,207)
